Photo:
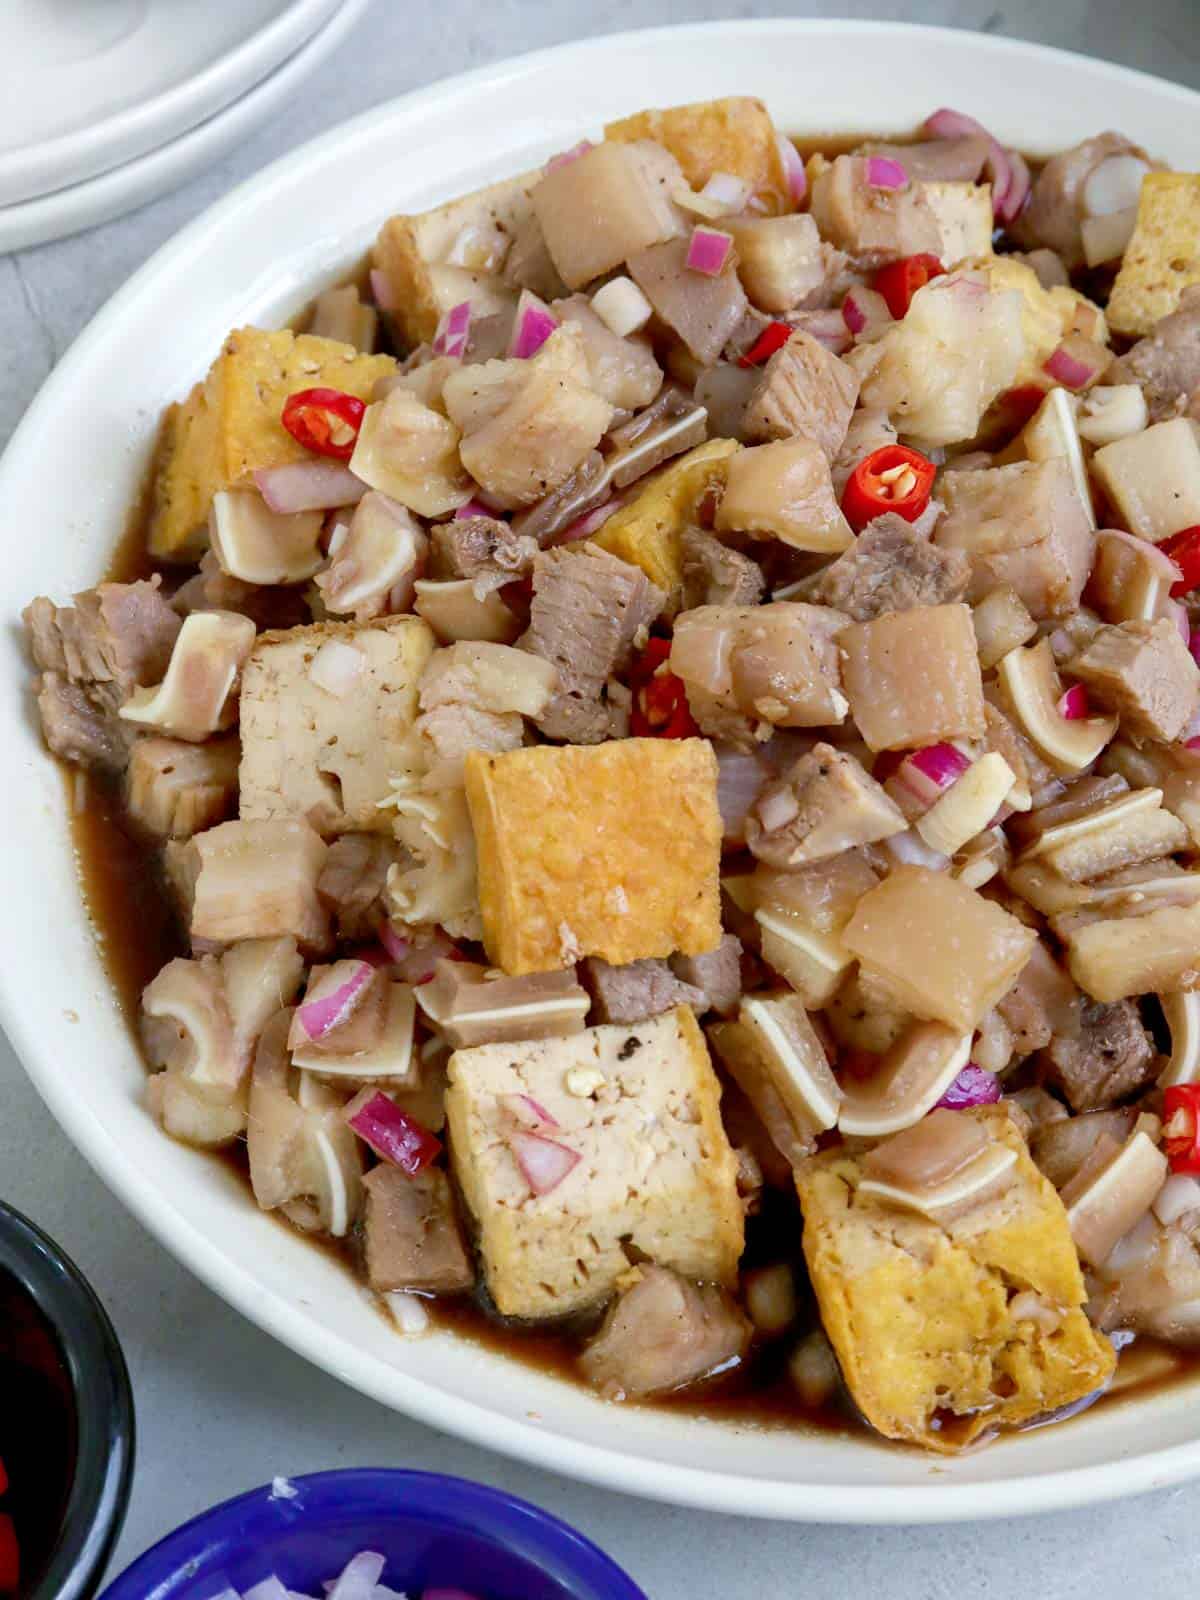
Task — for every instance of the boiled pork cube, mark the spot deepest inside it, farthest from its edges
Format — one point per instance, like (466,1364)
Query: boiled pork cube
(663,1333)
(890,568)
(912,677)
(805,390)
(1144,671)
(412,1238)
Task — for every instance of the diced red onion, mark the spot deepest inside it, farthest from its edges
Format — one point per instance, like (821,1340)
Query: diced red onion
(416,962)
(1194,644)
(359,1577)
(309,486)
(727,191)
(529,1113)
(853,315)
(1192,744)
(473,508)
(974,1086)
(381,290)
(793,168)
(884,173)
(565,157)
(826,327)
(544,1163)
(453,331)
(947,124)
(1068,370)
(394,1135)
(1019,185)
(317,1017)
(708,251)
(929,772)
(534,324)
(1074,706)
(911,850)
(583,527)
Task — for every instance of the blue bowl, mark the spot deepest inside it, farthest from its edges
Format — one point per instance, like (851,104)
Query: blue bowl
(435,1531)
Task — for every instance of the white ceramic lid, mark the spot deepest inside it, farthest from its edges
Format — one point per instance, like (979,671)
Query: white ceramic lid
(92,83)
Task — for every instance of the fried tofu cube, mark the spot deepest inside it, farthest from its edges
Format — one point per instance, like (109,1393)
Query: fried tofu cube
(1163,257)
(648,531)
(938,948)
(606,850)
(309,752)
(229,426)
(963,213)
(935,1345)
(656,1169)
(912,677)
(734,135)
(436,259)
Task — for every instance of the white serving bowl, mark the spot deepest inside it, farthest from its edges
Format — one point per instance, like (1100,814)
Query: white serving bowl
(66,485)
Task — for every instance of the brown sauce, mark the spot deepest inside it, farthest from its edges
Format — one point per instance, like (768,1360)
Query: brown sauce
(137,933)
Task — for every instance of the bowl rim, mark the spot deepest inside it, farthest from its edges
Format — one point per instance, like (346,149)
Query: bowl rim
(444,1497)
(106,1429)
(712,1488)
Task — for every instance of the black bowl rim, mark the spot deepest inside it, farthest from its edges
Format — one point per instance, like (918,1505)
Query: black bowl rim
(99,1493)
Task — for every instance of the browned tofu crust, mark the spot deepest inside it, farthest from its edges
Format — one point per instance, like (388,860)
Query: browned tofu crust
(607,850)
(924,1316)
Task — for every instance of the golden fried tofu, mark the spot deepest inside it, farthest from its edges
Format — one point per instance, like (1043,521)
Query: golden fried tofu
(436,259)
(648,532)
(229,426)
(1163,257)
(656,1171)
(606,850)
(310,752)
(946,1330)
(734,135)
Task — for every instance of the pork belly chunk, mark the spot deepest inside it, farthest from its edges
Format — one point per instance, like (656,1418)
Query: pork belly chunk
(588,610)
(1112,1057)
(825,803)
(412,1238)
(175,789)
(890,568)
(656,1174)
(783,491)
(664,1333)
(1023,525)
(115,638)
(1144,671)
(309,751)
(610,203)
(878,224)
(1166,363)
(937,948)
(805,390)
(611,850)
(912,677)
(922,1314)
(716,575)
(255,880)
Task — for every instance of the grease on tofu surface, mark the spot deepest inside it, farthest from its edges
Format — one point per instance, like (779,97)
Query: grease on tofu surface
(608,850)
(656,1174)
(921,1313)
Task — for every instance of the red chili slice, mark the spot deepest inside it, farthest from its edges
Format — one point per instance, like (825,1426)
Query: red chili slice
(660,709)
(325,421)
(1181,1126)
(900,280)
(892,478)
(773,337)
(1184,550)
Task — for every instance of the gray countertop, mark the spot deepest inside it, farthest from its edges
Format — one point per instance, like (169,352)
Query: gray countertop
(221,1407)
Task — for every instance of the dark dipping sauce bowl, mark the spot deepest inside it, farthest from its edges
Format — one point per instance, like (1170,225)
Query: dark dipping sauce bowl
(66,1417)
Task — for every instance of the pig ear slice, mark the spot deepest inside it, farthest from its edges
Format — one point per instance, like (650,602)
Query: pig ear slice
(912,1078)
(1182,1012)
(195,698)
(1069,744)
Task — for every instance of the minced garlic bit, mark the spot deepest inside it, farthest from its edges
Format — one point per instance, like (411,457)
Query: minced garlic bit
(583,1082)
